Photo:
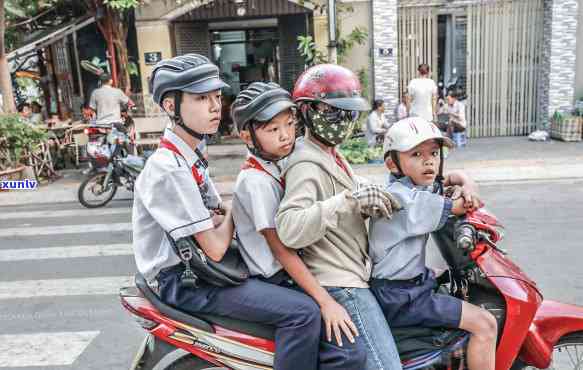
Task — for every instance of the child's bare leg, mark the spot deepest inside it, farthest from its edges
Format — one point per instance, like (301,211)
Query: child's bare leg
(483,329)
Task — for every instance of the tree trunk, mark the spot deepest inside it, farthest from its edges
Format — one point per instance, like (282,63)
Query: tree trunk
(5,80)
(120,33)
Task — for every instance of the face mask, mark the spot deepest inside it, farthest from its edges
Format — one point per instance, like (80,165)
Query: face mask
(333,126)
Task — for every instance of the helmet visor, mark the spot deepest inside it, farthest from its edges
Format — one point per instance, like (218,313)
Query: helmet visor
(273,110)
(355,103)
(203,87)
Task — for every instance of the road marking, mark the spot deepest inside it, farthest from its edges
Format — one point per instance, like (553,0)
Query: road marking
(64,287)
(43,349)
(68,229)
(78,251)
(65,213)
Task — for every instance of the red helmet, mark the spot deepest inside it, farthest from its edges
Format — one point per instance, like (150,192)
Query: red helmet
(330,84)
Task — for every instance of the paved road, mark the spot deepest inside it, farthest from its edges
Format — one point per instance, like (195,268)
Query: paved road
(61,266)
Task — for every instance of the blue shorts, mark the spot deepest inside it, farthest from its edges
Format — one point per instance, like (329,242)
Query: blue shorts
(415,303)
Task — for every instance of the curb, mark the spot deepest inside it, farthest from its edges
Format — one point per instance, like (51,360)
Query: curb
(483,172)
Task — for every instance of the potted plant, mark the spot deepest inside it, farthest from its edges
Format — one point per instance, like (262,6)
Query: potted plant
(356,151)
(16,139)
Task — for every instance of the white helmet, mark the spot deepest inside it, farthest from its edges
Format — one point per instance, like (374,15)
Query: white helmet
(410,132)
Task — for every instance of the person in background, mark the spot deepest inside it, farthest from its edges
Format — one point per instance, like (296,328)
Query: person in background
(107,101)
(401,111)
(36,117)
(422,94)
(457,113)
(25,112)
(376,124)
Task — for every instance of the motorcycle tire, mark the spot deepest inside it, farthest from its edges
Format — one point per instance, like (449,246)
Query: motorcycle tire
(102,202)
(193,363)
(568,346)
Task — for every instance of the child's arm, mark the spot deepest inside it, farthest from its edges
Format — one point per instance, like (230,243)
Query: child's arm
(458,207)
(215,242)
(335,316)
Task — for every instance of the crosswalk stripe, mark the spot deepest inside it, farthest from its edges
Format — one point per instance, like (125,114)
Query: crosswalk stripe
(78,251)
(67,229)
(43,349)
(64,287)
(65,213)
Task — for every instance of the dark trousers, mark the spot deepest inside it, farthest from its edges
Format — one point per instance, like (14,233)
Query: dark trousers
(296,317)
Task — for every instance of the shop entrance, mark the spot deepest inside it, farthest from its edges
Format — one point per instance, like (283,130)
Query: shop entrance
(246,56)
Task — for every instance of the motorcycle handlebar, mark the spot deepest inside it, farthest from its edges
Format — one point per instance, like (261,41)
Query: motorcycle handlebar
(465,237)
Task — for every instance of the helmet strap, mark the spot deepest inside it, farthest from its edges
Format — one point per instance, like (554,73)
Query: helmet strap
(395,158)
(178,121)
(438,185)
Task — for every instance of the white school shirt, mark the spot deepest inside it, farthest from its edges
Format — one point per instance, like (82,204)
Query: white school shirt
(421,91)
(167,199)
(256,199)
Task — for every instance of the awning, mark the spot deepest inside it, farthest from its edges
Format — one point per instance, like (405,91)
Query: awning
(50,36)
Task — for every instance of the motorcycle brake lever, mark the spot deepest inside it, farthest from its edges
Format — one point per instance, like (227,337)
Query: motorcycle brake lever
(486,237)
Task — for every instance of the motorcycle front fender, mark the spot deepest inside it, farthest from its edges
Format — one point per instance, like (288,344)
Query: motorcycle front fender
(552,321)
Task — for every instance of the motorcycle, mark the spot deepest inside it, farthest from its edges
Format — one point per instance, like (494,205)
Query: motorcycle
(533,333)
(110,168)
(98,147)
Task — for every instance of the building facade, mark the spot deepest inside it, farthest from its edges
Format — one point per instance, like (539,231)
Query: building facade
(518,61)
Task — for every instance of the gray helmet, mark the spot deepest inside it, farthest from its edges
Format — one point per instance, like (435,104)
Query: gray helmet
(260,102)
(192,73)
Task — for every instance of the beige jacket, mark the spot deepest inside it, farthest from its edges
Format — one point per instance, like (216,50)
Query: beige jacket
(316,216)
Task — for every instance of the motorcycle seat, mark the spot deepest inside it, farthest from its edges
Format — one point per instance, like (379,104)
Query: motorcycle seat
(168,310)
(203,321)
(245,327)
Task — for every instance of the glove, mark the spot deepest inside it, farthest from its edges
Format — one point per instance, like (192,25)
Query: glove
(374,201)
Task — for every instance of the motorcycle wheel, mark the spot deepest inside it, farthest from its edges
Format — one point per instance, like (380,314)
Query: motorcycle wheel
(93,185)
(193,363)
(567,353)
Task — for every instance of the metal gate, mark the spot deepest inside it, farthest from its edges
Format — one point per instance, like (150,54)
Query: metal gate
(502,42)
(504,53)
(417,35)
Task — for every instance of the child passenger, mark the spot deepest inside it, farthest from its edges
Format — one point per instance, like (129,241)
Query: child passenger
(265,118)
(402,284)
(175,198)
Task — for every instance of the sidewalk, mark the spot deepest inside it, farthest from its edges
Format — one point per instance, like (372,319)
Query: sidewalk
(487,160)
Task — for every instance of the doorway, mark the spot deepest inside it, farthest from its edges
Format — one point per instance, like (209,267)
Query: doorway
(246,56)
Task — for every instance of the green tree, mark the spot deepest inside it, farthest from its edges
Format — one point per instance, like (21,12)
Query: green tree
(307,46)
(5,80)
(113,25)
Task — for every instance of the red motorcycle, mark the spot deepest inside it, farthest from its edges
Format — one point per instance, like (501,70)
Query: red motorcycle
(533,333)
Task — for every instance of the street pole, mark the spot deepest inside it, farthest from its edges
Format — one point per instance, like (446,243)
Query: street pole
(332,44)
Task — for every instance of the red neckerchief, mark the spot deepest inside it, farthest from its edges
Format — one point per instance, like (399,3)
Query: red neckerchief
(340,163)
(165,143)
(254,163)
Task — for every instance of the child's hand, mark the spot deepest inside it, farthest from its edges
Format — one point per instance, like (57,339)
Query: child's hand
(337,321)
(470,197)
(457,207)
(217,217)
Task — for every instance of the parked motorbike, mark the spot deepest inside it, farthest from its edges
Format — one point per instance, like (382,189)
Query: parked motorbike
(533,333)
(110,168)
(98,147)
